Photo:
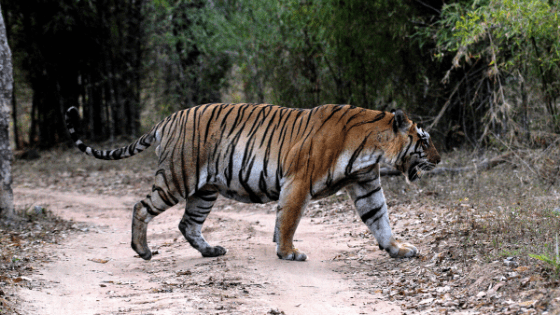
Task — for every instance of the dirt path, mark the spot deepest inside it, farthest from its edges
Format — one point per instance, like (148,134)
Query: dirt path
(95,271)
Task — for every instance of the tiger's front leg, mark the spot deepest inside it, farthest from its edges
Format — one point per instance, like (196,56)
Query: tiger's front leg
(372,208)
(292,203)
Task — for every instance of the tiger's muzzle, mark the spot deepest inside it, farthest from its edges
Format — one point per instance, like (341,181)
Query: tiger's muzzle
(414,168)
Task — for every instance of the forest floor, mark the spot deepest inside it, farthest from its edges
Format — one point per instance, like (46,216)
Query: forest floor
(69,252)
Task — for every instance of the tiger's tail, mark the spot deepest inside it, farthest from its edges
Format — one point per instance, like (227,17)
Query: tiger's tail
(134,148)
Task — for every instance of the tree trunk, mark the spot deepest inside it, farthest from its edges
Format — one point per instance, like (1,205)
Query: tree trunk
(17,140)
(6,87)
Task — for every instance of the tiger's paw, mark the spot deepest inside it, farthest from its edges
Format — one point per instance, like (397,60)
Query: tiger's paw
(401,250)
(213,251)
(293,254)
(143,251)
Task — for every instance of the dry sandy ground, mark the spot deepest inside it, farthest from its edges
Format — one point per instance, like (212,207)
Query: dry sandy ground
(94,271)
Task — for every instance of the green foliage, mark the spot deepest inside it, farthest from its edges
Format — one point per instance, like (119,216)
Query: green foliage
(305,53)
(510,27)
(186,56)
(516,41)
(553,262)
(466,66)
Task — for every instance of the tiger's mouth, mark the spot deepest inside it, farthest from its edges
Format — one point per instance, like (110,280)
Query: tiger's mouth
(414,172)
(418,168)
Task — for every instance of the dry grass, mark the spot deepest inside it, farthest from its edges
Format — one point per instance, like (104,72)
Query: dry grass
(488,224)
(506,211)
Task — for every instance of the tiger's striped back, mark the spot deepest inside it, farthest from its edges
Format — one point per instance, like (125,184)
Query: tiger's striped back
(247,150)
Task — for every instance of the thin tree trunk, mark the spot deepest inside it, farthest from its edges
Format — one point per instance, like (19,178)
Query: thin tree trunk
(17,140)
(15,120)
(33,118)
(6,87)
(525,111)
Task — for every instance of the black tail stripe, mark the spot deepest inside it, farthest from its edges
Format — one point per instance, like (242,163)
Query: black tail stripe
(72,116)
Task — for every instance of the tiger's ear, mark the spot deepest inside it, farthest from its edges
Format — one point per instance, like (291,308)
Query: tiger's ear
(400,121)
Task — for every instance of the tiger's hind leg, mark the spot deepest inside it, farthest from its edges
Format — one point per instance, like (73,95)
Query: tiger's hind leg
(197,209)
(144,211)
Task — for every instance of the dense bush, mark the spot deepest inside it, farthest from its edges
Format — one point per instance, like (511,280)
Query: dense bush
(474,72)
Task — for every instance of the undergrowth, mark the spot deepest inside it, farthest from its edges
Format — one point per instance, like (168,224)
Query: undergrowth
(509,210)
(21,239)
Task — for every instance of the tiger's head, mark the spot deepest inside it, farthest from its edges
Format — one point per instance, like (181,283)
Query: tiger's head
(418,153)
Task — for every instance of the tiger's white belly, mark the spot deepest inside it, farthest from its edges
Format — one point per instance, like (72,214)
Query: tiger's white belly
(246,184)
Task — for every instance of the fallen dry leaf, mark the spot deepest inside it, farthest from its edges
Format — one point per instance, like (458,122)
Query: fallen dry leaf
(184,273)
(527,303)
(521,269)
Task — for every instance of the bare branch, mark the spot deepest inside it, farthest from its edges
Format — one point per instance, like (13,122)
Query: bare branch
(484,165)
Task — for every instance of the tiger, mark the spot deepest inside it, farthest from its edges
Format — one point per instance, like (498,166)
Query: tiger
(258,153)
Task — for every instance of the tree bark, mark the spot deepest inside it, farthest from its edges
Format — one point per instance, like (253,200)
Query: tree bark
(6,88)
